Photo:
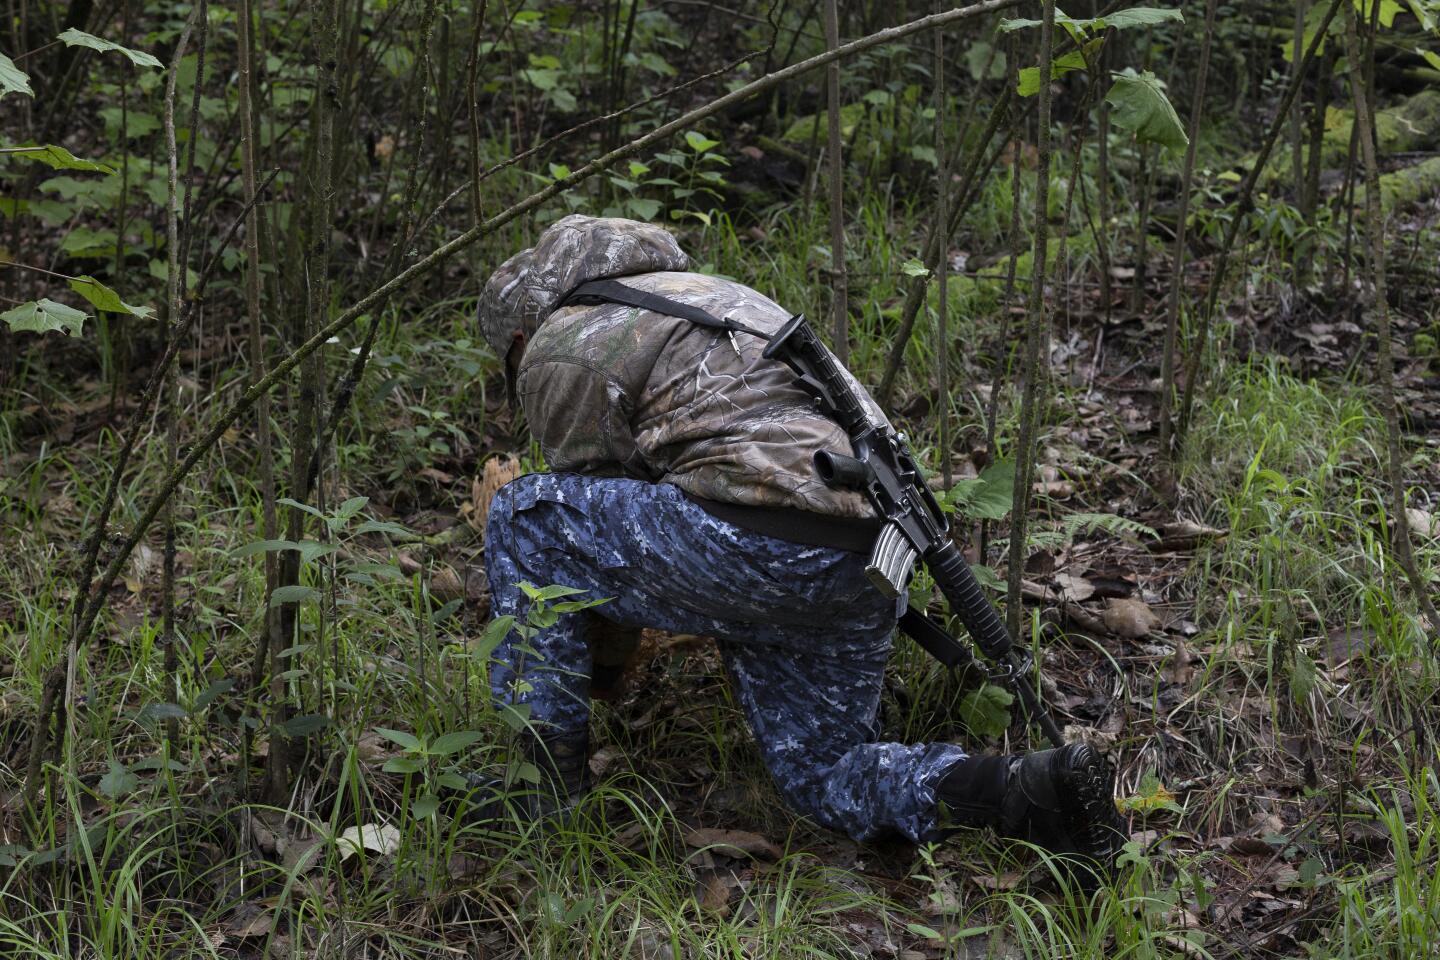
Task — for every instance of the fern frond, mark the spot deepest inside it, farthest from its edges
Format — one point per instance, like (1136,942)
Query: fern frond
(1077,524)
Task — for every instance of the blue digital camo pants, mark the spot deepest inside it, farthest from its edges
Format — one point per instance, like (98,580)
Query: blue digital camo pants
(803,634)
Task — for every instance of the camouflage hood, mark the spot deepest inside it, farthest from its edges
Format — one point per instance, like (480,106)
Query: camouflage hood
(572,251)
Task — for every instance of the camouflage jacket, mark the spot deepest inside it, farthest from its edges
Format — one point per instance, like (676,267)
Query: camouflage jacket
(615,391)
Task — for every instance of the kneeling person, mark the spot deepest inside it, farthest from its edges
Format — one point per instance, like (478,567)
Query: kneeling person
(684,489)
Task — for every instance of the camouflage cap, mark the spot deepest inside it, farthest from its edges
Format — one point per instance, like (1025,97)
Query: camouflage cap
(524,290)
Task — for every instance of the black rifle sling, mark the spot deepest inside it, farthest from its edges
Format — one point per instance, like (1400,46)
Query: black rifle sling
(610,291)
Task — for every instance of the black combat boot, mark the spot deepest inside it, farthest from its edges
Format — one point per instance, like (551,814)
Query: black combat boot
(1062,800)
(563,761)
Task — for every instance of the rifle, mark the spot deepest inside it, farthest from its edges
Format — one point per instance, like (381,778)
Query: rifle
(915,528)
(885,471)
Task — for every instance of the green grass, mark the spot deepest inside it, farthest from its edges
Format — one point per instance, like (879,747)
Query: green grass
(173,860)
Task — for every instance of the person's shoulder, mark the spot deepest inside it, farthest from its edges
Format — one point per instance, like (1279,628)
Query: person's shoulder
(708,290)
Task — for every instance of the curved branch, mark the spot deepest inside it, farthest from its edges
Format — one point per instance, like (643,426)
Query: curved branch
(422,267)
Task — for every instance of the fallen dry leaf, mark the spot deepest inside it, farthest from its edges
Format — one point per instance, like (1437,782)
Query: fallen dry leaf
(463,865)
(250,920)
(1008,880)
(732,843)
(602,760)
(713,893)
(1073,588)
(445,584)
(1181,668)
(1422,523)
(1129,618)
(383,839)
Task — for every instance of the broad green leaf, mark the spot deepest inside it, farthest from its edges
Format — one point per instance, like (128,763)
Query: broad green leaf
(208,695)
(449,743)
(263,546)
(403,765)
(163,711)
(311,550)
(700,143)
(656,64)
(1302,676)
(425,806)
(45,315)
(1140,106)
(515,715)
(56,157)
(542,617)
(987,577)
(1028,83)
(119,781)
(351,507)
(1313,18)
(997,491)
(294,593)
(160,270)
(575,606)
(288,502)
(978,55)
(407,741)
(79,38)
(1150,795)
(1388,9)
(643,208)
(453,781)
(1424,12)
(1120,20)
(88,242)
(495,631)
(303,726)
(13,79)
(1431,57)
(371,572)
(136,123)
(986,497)
(914,268)
(383,526)
(986,711)
(102,297)
(1139,17)
(546,594)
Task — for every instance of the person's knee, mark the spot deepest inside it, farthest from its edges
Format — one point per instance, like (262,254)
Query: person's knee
(799,776)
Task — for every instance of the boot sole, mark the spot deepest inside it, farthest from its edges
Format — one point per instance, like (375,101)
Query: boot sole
(1096,824)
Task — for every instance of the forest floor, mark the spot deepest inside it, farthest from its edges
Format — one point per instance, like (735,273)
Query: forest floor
(1232,628)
